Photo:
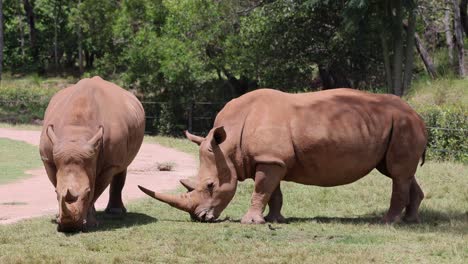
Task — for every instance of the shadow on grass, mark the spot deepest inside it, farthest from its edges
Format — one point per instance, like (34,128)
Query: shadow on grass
(431,221)
(110,222)
(113,222)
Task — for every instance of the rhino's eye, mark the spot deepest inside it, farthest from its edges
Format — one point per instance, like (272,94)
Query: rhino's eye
(210,187)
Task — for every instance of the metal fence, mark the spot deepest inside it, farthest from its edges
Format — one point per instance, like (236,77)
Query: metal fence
(196,117)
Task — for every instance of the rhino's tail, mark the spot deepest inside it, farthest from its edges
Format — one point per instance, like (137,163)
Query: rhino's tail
(423,157)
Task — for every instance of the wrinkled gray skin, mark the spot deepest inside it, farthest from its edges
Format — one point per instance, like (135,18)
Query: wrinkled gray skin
(92,131)
(326,138)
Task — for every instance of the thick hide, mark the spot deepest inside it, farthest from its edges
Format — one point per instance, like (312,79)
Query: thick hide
(92,131)
(325,138)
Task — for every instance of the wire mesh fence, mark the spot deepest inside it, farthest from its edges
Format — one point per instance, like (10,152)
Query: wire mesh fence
(198,118)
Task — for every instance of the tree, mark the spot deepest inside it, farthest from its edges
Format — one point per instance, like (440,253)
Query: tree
(29,9)
(459,38)
(1,38)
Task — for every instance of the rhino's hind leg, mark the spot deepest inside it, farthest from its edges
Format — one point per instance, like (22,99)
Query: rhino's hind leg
(416,196)
(275,204)
(267,179)
(399,200)
(115,205)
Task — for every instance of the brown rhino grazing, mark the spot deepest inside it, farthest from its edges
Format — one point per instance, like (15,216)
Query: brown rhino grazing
(325,138)
(92,131)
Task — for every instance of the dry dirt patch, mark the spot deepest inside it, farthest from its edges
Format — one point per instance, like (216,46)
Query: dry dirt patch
(35,196)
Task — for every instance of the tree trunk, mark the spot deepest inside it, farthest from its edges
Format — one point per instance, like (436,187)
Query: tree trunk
(398,56)
(332,77)
(80,46)
(448,33)
(239,86)
(1,38)
(463,15)
(29,9)
(388,68)
(425,57)
(21,29)
(56,14)
(458,38)
(409,56)
(80,52)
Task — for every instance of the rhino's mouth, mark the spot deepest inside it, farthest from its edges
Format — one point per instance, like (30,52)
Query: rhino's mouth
(204,215)
(72,227)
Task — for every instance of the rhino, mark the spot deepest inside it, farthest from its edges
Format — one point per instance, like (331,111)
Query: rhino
(325,138)
(91,133)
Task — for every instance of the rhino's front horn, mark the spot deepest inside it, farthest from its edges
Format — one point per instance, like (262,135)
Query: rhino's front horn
(65,210)
(181,202)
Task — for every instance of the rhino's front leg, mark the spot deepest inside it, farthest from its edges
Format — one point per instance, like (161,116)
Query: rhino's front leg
(267,179)
(91,220)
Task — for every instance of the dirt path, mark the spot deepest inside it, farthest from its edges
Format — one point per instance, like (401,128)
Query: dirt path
(35,196)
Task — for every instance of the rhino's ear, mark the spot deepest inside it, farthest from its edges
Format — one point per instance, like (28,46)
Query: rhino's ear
(195,139)
(95,140)
(219,135)
(51,134)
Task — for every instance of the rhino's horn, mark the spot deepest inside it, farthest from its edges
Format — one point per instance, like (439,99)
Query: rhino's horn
(178,201)
(65,210)
(189,185)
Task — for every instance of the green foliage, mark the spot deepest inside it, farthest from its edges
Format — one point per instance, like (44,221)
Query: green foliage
(448,131)
(166,123)
(24,100)
(443,103)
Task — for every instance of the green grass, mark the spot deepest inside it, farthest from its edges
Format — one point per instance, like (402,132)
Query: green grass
(21,126)
(327,225)
(23,99)
(181,144)
(443,92)
(15,158)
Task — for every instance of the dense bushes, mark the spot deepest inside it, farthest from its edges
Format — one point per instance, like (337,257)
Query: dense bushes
(25,100)
(441,103)
(448,132)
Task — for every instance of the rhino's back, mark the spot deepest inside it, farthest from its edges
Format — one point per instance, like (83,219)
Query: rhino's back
(325,138)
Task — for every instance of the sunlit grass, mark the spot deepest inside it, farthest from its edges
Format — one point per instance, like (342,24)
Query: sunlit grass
(181,144)
(443,92)
(21,126)
(15,158)
(327,225)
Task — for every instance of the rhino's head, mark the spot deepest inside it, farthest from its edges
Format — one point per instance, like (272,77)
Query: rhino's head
(216,184)
(75,161)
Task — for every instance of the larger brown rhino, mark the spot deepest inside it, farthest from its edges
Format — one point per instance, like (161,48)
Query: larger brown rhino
(92,131)
(326,138)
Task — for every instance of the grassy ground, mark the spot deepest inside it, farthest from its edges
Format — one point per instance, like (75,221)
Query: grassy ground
(16,157)
(23,99)
(181,144)
(21,126)
(326,225)
(444,92)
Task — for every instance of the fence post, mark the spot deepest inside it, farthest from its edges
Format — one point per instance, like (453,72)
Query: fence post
(190,117)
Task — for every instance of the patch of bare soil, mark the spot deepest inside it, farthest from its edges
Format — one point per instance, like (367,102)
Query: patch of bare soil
(35,196)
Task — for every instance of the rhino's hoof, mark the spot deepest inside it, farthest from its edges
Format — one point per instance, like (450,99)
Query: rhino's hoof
(389,220)
(275,219)
(411,219)
(252,219)
(116,211)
